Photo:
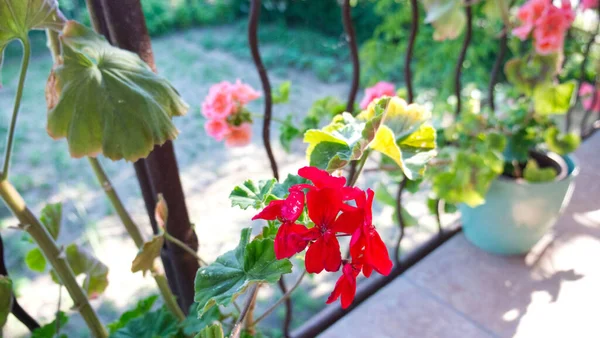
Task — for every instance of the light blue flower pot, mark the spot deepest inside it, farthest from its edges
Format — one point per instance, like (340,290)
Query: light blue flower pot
(516,213)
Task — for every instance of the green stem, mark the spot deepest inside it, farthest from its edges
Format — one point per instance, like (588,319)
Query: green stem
(134,232)
(184,247)
(54,255)
(359,167)
(53,44)
(281,300)
(274,119)
(18,97)
(248,307)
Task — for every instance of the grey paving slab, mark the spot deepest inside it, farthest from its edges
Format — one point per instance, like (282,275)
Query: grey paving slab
(403,310)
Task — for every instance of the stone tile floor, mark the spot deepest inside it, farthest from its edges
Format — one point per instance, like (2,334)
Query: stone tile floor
(461,291)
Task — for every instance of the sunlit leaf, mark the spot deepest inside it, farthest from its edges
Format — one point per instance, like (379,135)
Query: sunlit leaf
(18,17)
(160,323)
(252,195)
(6,299)
(553,98)
(213,331)
(144,260)
(35,260)
(533,173)
(51,217)
(446,16)
(106,100)
(82,263)
(143,306)
(561,144)
(229,276)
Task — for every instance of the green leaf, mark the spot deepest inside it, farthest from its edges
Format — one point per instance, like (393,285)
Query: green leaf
(49,330)
(51,218)
(413,186)
(144,260)
(281,94)
(446,16)
(327,106)
(81,262)
(229,276)
(160,323)
(383,195)
(18,17)
(250,195)
(143,306)
(561,144)
(35,260)
(533,173)
(106,100)
(407,217)
(342,141)
(529,72)
(192,324)
(552,98)
(213,331)
(288,132)
(6,299)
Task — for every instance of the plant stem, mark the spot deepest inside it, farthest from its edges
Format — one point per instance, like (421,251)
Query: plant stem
(18,97)
(274,119)
(184,247)
(134,232)
(360,166)
(237,328)
(54,255)
(280,301)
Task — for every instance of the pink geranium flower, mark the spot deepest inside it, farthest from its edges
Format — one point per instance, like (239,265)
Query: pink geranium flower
(239,136)
(528,14)
(217,129)
(243,93)
(220,102)
(589,4)
(590,97)
(382,88)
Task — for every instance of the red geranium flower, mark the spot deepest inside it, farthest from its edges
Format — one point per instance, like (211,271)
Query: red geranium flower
(345,287)
(366,245)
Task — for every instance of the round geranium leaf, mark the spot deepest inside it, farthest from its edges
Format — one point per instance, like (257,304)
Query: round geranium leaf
(106,100)
(18,17)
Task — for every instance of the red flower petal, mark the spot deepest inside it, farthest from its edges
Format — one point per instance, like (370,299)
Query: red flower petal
(321,178)
(271,212)
(323,206)
(290,240)
(376,254)
(345,287)
(293,206)
(348,221)
(323,254)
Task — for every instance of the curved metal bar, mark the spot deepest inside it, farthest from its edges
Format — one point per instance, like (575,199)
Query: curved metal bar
(414,29)
(351,37)
(496,69)
(17,310)
(461,57)
(264,79)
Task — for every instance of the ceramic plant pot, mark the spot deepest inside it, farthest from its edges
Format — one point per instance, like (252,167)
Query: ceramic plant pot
(517,213)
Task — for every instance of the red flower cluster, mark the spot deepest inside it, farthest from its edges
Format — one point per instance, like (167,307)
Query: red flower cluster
(327,200)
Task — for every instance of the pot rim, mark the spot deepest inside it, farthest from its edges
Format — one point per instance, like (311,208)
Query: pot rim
(574,173)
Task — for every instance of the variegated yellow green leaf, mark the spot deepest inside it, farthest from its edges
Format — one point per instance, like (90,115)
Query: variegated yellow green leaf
(106,100)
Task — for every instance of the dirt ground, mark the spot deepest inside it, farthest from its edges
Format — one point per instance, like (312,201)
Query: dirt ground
(43,171)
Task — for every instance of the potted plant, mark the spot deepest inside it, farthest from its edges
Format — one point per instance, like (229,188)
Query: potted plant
(510,171)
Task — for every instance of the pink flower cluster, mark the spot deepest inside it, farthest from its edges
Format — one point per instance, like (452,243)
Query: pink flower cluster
(589,4)
(590,96)
(227,118)
(547,22)
(382,88)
